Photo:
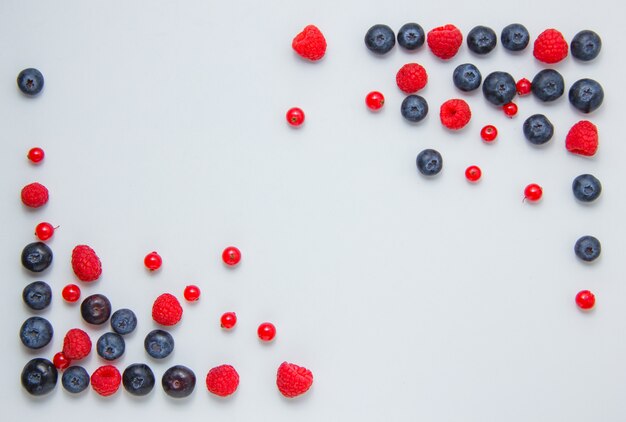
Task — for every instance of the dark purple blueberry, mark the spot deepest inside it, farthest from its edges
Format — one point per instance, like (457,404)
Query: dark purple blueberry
(39,376)
(178,381)
(96,309)
(36,257)
(138,379)
(37,295)
(36,332)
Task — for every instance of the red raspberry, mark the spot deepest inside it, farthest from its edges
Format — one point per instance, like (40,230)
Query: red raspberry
(411,78)
(582,138)
(550,46)
(166,310)
(76,344)
(222,380)
(293,380)
(310,43)
(455,114)
(85,263)
(445,41)
(34,195)
(106,380)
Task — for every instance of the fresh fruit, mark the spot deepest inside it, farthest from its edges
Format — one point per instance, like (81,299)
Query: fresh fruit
(489,133)
(548,85)
(467,77)
(266,331)
(310,43)
(159,344)
(585,300)
(36,332)
(37,295)
(39,376)
(481,40)
(191,293)
(30,81)
(586,45)
(85,263)
(138,379)
(36,155)
(222,380)
(550,47)
(96,309)
(411,78)
(414,108)
(586,95)
(380,39)
(411,36)
(515,37)
(510,109)
(429,162)
(44,231)
(35,195)
(76,344)
(71,293)
(106,380)
(231,256)
(123,321)
(228,320)
(374,100)
(538,129)
(75,379)
(499,88)
(586,188)
(153,261)
(444,41)
(533,192)
(473,173)
(295,116)
(61,361)
(582,139)
(36,257)
(588,248)
(293,380)
(166,310)
(178,381)
(455,114)
(523,87)
(110,346)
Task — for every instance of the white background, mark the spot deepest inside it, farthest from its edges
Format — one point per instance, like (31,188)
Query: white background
(409,299)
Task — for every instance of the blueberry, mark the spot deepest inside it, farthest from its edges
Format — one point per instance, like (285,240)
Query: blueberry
(586,45)
(95,309)
(36,332)
(37,295)
(36,257)
(481,40)
(548,85)
(467,77)
(414,108)
(380,39)
(75,379)
(538,129)
(587,248)
(586,188)
(499,88)
(178,381)
(515,37)
(411,36)
(159,344)
(110,346)
(138,379)
(123,321)
(39,376)
(586,95)
(30,81)
(429,162)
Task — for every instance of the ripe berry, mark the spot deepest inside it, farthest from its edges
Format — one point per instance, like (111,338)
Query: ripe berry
(467,77)
(588,248)
(455,114)
(295,116)
(30,81)
(499,88)
(36,257)
(138,379)
(228,320)
(550,46)
(178,381)
(411,78)
(586,45)
(548,85)
(123,321)
(37,295)
(44,231)
(222,380)
(36,155)
(71,293)
(266,331)
(411,36)
(523,87)
(106,380)
(293,380)
(473,173)
(414,108)
(582,139)
(585,300)
(586,188)
(429,162)
(153,261)
(75,379)
(533,192)
(39,376)
(310,43)
(380,39)
(191,293)
(481,40)
(444,41)
(510,109)
(35,195)
(159,344)
(586,95)
(538,129)
(110,346)
(61,361)
(515,37)
(36,332)
(96,309)
(374,100)
(489,133)
(231,256)
(166,310)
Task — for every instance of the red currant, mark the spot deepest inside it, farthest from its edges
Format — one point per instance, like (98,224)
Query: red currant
(153,261)
(489,133)
(295,116)
(191,293)
(228,320)
(266,331)
(71,293)
(36,155)
(44,231)
(585,300)
(61,361)
(231,256)
(510,109)
(473,173)
(523,87)
(375,100)
(533,192)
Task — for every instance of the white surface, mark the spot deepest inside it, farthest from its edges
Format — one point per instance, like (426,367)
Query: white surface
(409,299)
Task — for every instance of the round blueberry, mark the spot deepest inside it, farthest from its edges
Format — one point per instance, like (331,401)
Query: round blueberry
(36,332)
(538,129)
(138,379)
(515,37)
(548,85)
(414,108)
(499,88)
(96,309)
(380,39)
(586,45)
(37,295)
(481,40)
(467,77)
(75,379)
(159,344)
(586,188)
(411,36)
(110,346)
(429,162)
(36,257)
(587,248)
(39,376)
(123,321)
(178,381)
(586,95)
(30,81)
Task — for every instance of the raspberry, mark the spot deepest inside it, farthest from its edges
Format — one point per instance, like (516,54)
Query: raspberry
(166,310)
(310,43)
(582,138)
(34,195)
(293,380)
(550,46)
(445,41)
(106,380)
(85,263)
(455,114)
(411,78)
(76,344)
(222,380)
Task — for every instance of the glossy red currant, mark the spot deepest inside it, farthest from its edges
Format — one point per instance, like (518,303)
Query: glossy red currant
(510,109)
(61,361)
(295,116)
(153,261)
(523,87)
(71,293)
(191,293)
(228,320)
(266,331)
(489,133)
(473,173)
(533,192)
(231,256)
(44,231)
(36,155)
(375,100)
(585,299)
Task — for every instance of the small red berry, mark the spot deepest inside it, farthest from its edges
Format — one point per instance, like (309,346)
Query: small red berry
(231,256)
(585,300)
(510,109)
(266,331)
(191,293)
(375,100)
(473,173)
(489,133)
(36,155)
(533,192)
(71,293)
(523,87)
(228,320)
(44,231)
(295,116)
(153,261)
(61,361)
